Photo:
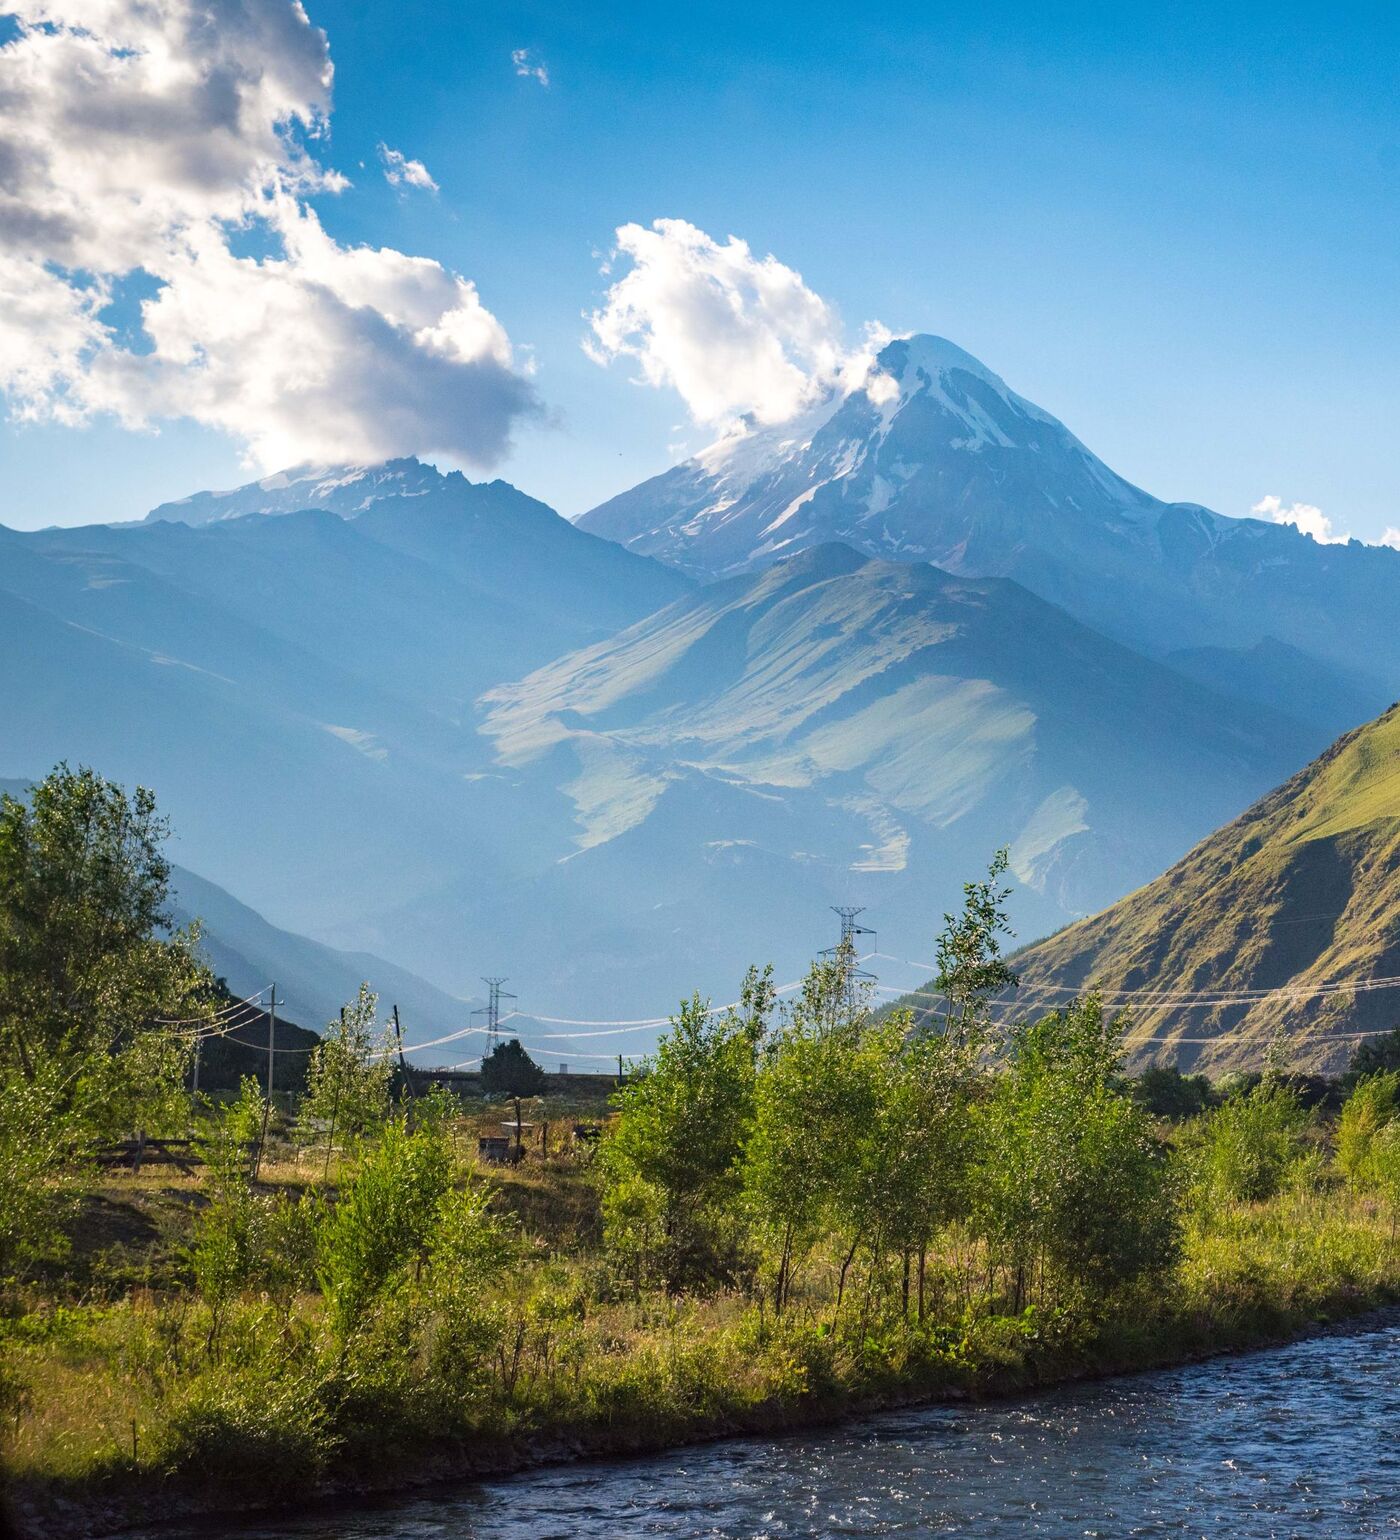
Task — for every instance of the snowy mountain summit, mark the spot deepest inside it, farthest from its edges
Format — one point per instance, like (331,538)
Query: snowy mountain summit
(937,459)
(347,490)
(944,467)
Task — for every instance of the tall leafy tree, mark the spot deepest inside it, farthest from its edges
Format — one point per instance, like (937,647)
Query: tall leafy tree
(347,1084)
(812,1104)
(971,969)
(1073,1185)
(86,958)
(509,1071)
(672,1169)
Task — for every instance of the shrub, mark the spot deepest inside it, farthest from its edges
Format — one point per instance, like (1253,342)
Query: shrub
(385,1219)
(1374,1103)
(1250,1141)
(248,1430)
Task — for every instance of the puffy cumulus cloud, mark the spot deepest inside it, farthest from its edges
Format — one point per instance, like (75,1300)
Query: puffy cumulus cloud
(322,354)
(741,338)
(529,66)
(122,121)
(147,137)
(1310,520)
(399,171)
(1306,518)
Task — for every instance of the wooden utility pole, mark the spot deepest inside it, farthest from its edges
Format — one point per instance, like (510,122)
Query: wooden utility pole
(403,1063)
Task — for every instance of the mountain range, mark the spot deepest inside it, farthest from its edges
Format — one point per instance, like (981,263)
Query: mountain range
(859,730)
(402,714)
(948,465)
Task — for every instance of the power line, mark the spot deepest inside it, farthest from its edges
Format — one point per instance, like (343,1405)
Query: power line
(1195,998)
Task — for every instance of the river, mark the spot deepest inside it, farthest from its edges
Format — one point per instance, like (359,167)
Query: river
(1292,1442)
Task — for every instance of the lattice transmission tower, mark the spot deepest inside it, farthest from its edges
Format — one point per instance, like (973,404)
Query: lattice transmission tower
(844,952)
(492,1012)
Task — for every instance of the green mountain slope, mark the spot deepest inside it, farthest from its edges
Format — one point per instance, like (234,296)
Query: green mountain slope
(1299,895)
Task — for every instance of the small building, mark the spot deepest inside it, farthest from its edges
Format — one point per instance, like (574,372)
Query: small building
(494,1150)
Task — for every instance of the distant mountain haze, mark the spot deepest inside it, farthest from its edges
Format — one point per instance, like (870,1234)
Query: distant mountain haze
(834,728)
(957,469)
(313,981)
(300,689)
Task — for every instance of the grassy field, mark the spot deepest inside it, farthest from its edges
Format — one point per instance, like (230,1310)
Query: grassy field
(124,1405)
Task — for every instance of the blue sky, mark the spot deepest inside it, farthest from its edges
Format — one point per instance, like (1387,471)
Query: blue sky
(1175,227)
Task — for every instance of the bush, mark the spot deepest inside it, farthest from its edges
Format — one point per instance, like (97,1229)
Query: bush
(1166,1093)
(1372,1105)
(1250,1141)
(385,1219)
(248,1431)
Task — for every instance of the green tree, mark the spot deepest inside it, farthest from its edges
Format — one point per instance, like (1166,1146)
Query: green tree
(85,959)
(1374,1056)
(928,1136)
(1373,1104)
(509,1071)
(244,1239)
(385,1219)
(1072,1183)
(347,1083)
(808,1106)
(86,973)
(40,1167)
(143,1089)
(468,1251)
(1383,1167)
(971,969)
(672,1168)
(1251,1140)
(1167,1093)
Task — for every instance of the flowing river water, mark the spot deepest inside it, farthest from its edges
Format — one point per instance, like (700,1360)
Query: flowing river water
(1292,1442)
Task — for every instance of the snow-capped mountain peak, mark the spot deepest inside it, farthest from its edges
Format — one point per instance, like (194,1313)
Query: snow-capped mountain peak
(912,465)
(346,490)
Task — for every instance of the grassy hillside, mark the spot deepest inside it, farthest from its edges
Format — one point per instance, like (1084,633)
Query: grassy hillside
(1299,894)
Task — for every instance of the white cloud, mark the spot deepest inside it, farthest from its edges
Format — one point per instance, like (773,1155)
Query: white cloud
(1304,517)
(740,338)
(159,137)
(399,171)
(1310,520)
(530,65)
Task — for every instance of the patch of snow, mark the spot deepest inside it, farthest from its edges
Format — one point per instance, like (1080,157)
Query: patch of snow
(799,501)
